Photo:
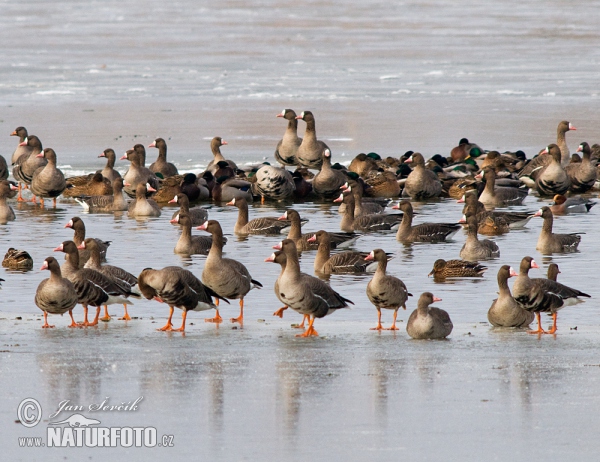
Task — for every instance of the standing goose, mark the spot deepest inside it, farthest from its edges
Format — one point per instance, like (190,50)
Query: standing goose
(188,244)
(273,183)
(562,205)
(78,226)
(310,151)
(342,262)
(425,232)
(549,242)
(336,240)
(141,206)
(166,169)
(137,174)
(443,269)
(177,287)
(225,276)
(475,249)
(261,225)
(55,295)
(384,290)
(377,222)
(105,204)
(542,295)
(28,163)
(499,196)
(215,147)
(286,149)
(21,149)
(552,179)
(6,212)
(553,272)
(428,322)
(48,181)
(303,293)
(505,311)
(583,175)
(422,183)
(126,281)
(109,171)
(198,215)
(327,182)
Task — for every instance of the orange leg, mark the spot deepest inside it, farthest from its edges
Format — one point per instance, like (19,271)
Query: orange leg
(95,321)
(262,199)
(46,325)
(85,317)
(54,202)
(240,318)
(280,311)
(34,200)
(168,325)
(553,330)
(106,316)
(393,327)
(379,326)
(301,325)
(42,202)
(217,317)
(73,323)
(539,329)
(126,316)
(310,331)
(182,328)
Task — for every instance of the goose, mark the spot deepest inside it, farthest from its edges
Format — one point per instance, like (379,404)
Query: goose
(21,149)
(28,163)
(552,179)
(198,215)
(310,151)
(105,204)
(384,290)
(425,232)
(3,168)
(273,183)
(78,226)
(553,272)
(583,175)
(303,293)
(542,295)
(226,189)
(55,295)
(188,244)
(549,242)
(137,173)
(443,269)
(362,205)
(161,165)
(109,171)
(475,249)
(499,196)
(342,262)
(177,287)
(6,211)
(48,181)
(505,311)
(286,149)
(427,322)
(17,260)
(261,225)
(215,147)
(93,184)
(422,183)
(515,220)
(142,207)
(562,205)
(377,222)
(327,182)
(225,276)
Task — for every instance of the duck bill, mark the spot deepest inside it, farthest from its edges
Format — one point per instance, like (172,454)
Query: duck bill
(436,299)
(312,238)
(283,217)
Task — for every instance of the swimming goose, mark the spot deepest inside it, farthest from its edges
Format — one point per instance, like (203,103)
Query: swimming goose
(422,183)
(78,226)
(552,179)
(225,276)
(377,222)
(55,295)
(161,165)
(105,204)
(286,149)
(198,214)
(499,196)
(475,249)
(583,175)
(215,147)
(427,322)
(310,151)
(362,205)
(443,269)
(109,171)
(273,183)
(384,290)
(6,211)
(505,311)
(562,205)
(549,242)
(336,240)
(141,206)
(327,182)
(261,225)
(17,260)
(28,162)
(425,232)
(515,220)
(48,181)
(137,173)
(342,262)
(188,244)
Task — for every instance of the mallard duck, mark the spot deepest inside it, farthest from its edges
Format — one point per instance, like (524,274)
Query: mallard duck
(382,184)
(17,259)
(443,269)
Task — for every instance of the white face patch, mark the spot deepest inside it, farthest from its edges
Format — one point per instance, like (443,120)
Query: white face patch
(302,115)
(283,112)
(327,153)
(372,254)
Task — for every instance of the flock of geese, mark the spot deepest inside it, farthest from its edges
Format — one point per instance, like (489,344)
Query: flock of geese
(483,180)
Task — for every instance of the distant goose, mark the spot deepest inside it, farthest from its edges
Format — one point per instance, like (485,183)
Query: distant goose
(425,232)
(422,183)
(499,196)
(261,225)
(188,244)
(6,211)
(141,206)
(475,249)
(198,215)
(553,178)
(328,181)
(286,149)
(28,162)
(161,165)
(583,175)
(341,262)
(368,223)
(549,242)
(336,240)
(109,171)
(215,147)
(77,225)
(105,204)
(310,151)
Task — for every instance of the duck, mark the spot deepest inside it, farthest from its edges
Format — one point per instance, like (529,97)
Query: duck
(583,175)
(367,223)
(310,151)
(169,187)
(273,183)
(142,207)
(562,205)
(166,169)
(362,205)
(499,196)
(490,226)
(137,174)
(464,150)
(549,242)
(227,189)
(198,215)
(55,295)
(48,181)
(384,290)
(552,179)
(285,152)
(327,182)
(109,171)
(541,295)
(303,293)
(475,249)
(422,183)
(225,276)
(261,225)
(78,226)
(505,311)
(93,184)
(17,260)
(443,269)
(382,184)
(215,147)
(362,164)
(21,149)
(303,187)
(28,163)
(126,281)
(114,202)
(336,240)
(427,322)
(6,211)
(342,262)
(178,288)
(515,220)
(188,244)
(424,232)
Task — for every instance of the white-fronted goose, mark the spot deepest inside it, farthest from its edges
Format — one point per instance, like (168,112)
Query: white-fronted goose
(342,262)
(55,295)
(179,288)
(583,175)
(225,276)
(549,242)
(552,179)
(21,149)
(310,151)
(188,244)
(78,226)
(141,206)
(561,140)
(215,147)
(105,204)
(137,174)
(3,168)
(515,220)
(428,322)
(553,272)
(362,205)
(261,225)
(273,183)
(48,181)
(109,171)
(377,222)
(384,290)
(475,249)
(17,260)
(499,196)
(198,215)
(166,169)
(542,295)
(422,183)
(6,212)
(306,294)
(336,240)
(29,162)
(562,205)
(505,311)
(286,149)
(425,232)
(93,184)
(328,181)
(443,269)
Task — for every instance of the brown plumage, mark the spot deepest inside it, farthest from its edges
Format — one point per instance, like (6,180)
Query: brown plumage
(286,149)
(166,169)
(142,206)
(427,322)
(505,311)
(336,240)
(55,295)
(422,183)
(105,204)
(262,225)
(549,242)
(377,222)
(93,184)
(310,151)
(341,262)
(188,244)
(443,269)
(78,226)
(17,259)
(109,171)
(425,232)
(198,214)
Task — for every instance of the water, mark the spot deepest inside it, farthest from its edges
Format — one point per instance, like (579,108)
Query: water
(381,77)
